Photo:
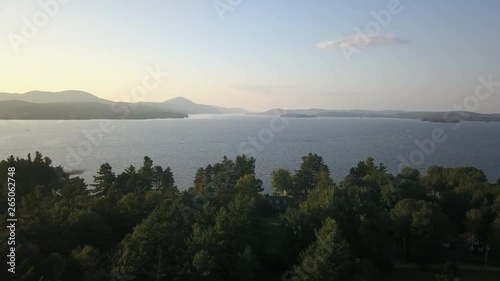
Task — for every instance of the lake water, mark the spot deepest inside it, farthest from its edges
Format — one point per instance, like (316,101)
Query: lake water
(187,144)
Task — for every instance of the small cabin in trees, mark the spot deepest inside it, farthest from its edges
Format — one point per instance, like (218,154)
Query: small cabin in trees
(279,203)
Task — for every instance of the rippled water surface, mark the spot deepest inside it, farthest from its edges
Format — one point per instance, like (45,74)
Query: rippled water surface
(187,144)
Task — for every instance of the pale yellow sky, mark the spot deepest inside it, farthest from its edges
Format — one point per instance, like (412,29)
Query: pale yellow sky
(254,58)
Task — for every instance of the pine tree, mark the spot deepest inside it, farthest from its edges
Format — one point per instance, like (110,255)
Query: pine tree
(103,181)
(328,258)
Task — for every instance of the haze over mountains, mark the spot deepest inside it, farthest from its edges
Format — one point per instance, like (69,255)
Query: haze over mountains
(74,104)
(442,116)
(48,97)
(22,110)
(175,105)
(183,105)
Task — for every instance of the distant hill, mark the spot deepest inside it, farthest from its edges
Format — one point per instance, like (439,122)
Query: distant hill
(180,104)
(21,110)
(48,97)
(442,117)
(186,106)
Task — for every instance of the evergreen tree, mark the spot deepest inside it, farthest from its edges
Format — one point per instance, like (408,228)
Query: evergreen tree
(305,177)
(282,181)
(103,181)
(328,258)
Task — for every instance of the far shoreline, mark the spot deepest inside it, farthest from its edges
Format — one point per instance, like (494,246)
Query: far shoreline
(284,116)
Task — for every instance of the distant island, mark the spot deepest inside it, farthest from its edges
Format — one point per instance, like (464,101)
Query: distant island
(438,117)
(297,115)
(440,120)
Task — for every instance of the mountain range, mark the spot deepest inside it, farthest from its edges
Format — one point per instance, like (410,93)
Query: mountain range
(183,105)
(83,105)
(49,97)
(175,105)
(22,110)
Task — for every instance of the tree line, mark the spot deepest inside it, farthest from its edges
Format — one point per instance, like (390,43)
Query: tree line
(137,225)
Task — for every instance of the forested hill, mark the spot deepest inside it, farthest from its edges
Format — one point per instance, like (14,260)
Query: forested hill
(20,110)
(136,224)
(177,104)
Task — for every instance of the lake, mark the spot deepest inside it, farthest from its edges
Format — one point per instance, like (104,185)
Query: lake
(187,144)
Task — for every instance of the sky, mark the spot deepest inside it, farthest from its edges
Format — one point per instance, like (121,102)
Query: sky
(258,54)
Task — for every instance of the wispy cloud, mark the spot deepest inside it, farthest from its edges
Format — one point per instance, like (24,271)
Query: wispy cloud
(361,41)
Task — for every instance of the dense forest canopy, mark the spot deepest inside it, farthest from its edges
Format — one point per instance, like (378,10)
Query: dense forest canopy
(136,225)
